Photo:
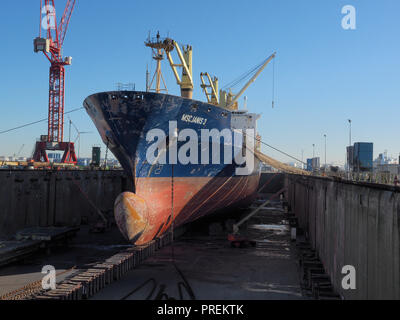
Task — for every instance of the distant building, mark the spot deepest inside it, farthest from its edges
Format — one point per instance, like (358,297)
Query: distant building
(360,157)
(313,164)
(363,156)
(83,161)
(294,164)
(381,160)
(266,168)
(316,163)
(350,156)
(309,165)
(96,151)
(388,168)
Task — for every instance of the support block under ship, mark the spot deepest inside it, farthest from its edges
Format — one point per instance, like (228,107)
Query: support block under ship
(183,187)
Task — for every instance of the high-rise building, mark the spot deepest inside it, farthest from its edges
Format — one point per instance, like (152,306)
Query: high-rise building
(96,156)
(309,165)
(313,164)
(363,156)
(350,156)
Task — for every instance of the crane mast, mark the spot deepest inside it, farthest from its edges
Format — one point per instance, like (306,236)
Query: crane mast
(51,46)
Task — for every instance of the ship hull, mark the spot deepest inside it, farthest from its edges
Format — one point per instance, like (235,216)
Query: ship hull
(167,193)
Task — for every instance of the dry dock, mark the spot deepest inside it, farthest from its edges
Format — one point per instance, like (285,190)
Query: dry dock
(337,223)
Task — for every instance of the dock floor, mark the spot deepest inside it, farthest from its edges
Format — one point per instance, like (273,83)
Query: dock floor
(200,264)
(217,271)
(84,249)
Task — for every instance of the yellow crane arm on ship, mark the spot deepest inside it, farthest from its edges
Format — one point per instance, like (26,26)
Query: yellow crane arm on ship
(185,63)
(252,79)
(212,97)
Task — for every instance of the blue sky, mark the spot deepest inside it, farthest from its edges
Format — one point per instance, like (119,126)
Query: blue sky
(324,74)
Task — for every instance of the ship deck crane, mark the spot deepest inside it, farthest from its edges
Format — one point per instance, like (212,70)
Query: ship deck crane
(186,83)
(185,57)
(210,83)
(51,46)
(225,99)
(252,79)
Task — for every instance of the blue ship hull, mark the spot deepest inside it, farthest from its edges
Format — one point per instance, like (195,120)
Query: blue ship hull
(166,192)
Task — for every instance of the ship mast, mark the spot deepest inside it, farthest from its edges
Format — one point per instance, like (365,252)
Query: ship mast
(167,45)
(157,47)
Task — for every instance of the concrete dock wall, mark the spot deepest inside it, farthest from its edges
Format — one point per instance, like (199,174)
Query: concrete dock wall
(56,198)
(271,182)
(351,224)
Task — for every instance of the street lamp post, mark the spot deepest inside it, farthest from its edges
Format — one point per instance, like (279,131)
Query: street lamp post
(325,151)
(348,153)
(349,132)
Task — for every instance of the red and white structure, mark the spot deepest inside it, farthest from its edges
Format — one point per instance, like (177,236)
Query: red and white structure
(51,46)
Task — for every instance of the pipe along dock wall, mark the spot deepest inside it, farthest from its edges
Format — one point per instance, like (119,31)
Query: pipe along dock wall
(56,198)
(353,224)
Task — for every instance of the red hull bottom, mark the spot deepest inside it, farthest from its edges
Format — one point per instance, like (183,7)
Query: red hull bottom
(149,212)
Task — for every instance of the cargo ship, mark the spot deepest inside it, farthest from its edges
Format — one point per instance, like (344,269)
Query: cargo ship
(187,158)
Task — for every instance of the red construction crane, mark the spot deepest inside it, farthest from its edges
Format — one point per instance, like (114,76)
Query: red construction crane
(51,46)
